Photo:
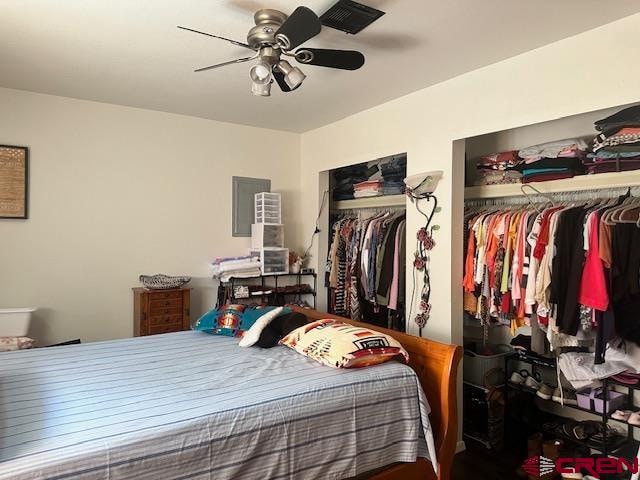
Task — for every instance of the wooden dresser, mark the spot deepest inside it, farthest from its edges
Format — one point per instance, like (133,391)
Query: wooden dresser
(160,311)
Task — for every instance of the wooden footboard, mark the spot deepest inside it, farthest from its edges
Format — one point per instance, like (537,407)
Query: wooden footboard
(436,365)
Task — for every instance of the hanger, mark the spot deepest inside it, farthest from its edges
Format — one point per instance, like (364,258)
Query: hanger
(531,202)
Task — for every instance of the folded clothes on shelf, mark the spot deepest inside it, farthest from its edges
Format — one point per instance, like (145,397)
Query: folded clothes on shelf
(236,267)
(370,188)
(497,177)
(498,161)
(628,117)
(570,147)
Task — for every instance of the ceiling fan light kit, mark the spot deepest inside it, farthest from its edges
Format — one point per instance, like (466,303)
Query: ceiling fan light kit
(275,35)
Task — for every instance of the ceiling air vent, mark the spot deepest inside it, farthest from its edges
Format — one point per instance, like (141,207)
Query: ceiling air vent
(350,17)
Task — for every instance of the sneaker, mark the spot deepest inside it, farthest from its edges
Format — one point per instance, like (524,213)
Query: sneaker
(532,383)
(545,392)
(634,419)
(517,378)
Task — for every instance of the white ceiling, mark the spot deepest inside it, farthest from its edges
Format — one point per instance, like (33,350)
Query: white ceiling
(130,52)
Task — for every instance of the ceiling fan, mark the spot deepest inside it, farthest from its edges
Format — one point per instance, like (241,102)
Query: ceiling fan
(277,35)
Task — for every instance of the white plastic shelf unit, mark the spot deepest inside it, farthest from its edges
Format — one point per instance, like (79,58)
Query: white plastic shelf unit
(268,208)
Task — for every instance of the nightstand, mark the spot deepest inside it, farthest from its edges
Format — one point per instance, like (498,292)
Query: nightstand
(160,311)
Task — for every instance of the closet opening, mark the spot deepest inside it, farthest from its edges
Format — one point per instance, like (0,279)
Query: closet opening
(551,216)
(365,268)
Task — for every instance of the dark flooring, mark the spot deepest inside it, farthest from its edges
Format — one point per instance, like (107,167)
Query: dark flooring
(477,463)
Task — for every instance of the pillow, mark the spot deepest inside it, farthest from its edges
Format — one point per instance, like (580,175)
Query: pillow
(252,335)
(10,344)
(230,320)
(280,327)
(342,345)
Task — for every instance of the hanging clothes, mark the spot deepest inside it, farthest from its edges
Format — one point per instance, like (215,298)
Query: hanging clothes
(565,270)
(365,268)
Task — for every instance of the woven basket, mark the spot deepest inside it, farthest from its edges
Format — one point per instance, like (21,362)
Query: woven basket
(163,282)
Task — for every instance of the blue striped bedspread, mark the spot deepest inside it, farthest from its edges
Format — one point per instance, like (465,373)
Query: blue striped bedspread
(194,406)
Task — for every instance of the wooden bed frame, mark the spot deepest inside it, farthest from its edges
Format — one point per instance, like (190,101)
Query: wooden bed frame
(436,365)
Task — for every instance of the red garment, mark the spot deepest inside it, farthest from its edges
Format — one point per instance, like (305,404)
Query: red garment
(543,236)
(505,305)
(593,288)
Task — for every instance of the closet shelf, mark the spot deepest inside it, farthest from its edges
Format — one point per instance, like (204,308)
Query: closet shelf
(580,182)
(371,202)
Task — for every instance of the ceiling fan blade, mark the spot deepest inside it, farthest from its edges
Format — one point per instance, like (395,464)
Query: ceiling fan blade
(342,59)
(233,42)
(301,26)
(224,64)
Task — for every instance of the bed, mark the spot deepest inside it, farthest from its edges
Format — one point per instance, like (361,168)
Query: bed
(191,406)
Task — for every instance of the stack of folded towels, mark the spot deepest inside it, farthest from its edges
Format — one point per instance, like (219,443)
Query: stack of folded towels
(494,169)
(393,173)
(617,148)
(236,267)
(370,188)
(552,160)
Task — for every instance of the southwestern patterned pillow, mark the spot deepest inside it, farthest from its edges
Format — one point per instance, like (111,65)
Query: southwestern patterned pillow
(341,345)
(225,321)
(231,320)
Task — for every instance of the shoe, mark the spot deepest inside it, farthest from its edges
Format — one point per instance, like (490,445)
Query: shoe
(568,396)
(621,415)
(532,383)
(634,419)
(516,378)
(545,392)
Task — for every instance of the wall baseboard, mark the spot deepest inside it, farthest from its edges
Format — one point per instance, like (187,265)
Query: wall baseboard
(460,446)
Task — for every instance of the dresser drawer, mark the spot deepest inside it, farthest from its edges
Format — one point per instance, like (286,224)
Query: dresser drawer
(174,327)
(165,303)
(153,312)
(161,320)
(165,295)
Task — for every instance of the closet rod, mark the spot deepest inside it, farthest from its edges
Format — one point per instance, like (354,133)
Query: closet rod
(340,211)
(568,195)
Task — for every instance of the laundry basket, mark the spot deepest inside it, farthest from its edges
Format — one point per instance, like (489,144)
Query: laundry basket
(476,366)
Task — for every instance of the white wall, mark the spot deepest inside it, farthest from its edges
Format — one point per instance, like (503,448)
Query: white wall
(587,72)
(116,192)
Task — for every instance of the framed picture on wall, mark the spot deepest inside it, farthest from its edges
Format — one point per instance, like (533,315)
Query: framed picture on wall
(14,181)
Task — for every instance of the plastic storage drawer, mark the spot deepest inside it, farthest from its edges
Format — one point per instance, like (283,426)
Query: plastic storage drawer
(267,235)
(273,261)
